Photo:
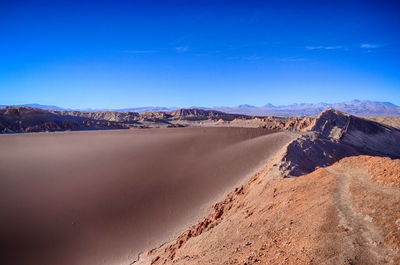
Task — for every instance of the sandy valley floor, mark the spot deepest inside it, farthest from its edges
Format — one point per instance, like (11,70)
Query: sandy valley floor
(101,197)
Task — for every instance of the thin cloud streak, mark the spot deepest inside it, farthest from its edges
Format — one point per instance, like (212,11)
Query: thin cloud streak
(324,47)
(370,46)
(346,47)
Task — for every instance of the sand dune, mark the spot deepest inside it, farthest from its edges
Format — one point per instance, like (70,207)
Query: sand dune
(101,197)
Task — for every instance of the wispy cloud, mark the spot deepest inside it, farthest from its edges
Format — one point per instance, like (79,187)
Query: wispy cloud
(370,46)
(363,46)
(182,48)
(324,47)
(139,51)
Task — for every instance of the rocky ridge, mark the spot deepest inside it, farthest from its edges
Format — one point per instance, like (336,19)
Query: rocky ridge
(26,119)
(391,121)
(200,114)
(333,135)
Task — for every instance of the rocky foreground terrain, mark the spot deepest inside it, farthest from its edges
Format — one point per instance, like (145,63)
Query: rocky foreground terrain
(342,208)
(348,213)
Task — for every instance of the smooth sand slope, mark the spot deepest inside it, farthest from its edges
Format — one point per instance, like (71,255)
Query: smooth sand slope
(102,197)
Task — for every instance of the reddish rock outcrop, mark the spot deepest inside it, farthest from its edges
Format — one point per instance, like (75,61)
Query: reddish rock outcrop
(334,135)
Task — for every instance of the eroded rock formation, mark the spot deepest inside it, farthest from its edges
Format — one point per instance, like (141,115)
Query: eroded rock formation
(334,135)
(25,119)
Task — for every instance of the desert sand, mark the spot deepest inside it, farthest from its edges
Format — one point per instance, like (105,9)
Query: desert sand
(102,197)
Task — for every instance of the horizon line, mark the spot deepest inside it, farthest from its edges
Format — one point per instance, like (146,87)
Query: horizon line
(190,107)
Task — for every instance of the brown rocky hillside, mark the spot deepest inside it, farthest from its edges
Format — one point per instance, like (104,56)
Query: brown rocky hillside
(319,218)
(26,119)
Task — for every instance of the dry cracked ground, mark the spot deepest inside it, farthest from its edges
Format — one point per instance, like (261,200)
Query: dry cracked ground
(347,213)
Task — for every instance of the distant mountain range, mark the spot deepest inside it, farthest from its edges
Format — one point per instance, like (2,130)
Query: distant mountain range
(36,106)
(138,109)
(355,107)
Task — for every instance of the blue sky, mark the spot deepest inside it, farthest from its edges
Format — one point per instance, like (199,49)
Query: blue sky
(117,54)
